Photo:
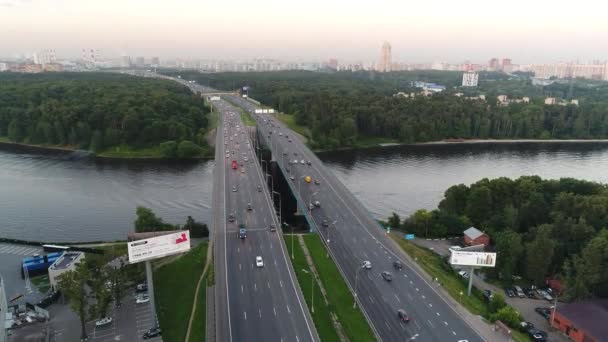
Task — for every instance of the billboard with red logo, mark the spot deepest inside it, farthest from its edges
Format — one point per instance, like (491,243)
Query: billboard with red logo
(159,246)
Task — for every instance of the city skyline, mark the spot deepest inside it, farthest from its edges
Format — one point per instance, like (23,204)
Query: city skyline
(444,31)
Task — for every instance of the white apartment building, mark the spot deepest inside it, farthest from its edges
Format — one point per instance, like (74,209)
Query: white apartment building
(470,79)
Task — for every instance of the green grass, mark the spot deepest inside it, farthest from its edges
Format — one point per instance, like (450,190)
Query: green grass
(126,151)
(247,119)
(214,120)
(199,321)
(432,264)
(174,287)
(321,317)
(4,139)
(363,142)
(42,283)
(290,121)
(353,322)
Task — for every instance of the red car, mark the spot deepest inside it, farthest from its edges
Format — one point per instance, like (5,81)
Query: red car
(235,165)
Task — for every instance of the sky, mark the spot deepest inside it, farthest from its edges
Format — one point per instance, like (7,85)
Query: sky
(528,31)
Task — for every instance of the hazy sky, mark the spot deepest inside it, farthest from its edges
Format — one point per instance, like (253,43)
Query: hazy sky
(437,30)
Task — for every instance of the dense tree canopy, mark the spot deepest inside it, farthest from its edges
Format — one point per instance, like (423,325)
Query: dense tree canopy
(341,108)
(96,111)
(539,228)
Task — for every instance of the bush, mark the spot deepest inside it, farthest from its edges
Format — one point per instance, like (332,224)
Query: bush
(497,302)
(188,149)
(168,149)
(197,229)
(508,316)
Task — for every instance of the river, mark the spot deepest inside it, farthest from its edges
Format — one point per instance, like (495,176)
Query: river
(70,197)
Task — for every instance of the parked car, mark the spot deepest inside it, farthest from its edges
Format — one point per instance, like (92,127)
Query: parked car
(544,295)
(545,312)
(509,293)
(152,333)
(487,294)
(387,276)
(141,287)
(403,317)
(367,264)
(520,293)
(397,265)
(103,321)
(463,274)
(142,300)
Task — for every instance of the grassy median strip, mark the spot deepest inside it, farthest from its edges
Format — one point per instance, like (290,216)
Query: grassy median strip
(247,119)
(174,287)
(321,316)
(341,300)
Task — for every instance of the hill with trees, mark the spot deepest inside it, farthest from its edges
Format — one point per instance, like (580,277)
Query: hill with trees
(345,108)
(539,228)
(113,114)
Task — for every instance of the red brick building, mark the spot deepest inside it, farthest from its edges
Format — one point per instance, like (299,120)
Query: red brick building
(583,321)
(474,236)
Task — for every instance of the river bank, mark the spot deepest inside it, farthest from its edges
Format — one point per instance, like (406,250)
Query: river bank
(123,153)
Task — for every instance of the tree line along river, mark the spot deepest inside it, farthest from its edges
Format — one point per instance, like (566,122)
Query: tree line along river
(70,197)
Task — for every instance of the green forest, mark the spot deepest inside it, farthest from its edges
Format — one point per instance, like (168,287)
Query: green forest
(539,228)
(108,114)
(345,108)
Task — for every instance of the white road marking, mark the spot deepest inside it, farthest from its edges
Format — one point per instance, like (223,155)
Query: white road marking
(446,323)
(275,312)
(242,289)
(268,283)
(388,326)
(238,249)
(371,299)
(423,297)
(453,332)
(281,283)
(431,324)
(409,296)
(245,313)
(240,267)
(430,305)
(288,310)
(255,287)
(438,314)
(399,300)
(417,290)
(260,312)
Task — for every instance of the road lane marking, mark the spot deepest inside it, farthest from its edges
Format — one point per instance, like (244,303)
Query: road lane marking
(410,296)
(240,267)
(399,300)
(281,283)
(453,332)
(430,305)
(446,323)
(417,290)
(275,312)
(242,288)
(288,310)
(438,314)
(245,313)
(431,324)
(268,283)
(260,312)
(388,326)
(255,287)
(371,299)
(238,249)
(423,297)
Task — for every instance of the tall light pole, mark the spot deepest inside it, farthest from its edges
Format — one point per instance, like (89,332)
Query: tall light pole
(328,240)
(312,289)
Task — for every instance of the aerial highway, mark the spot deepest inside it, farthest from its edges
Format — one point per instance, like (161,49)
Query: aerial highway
(253,302)
(354,237)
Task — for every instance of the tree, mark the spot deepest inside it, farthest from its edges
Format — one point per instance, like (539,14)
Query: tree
(96,141)
(15,131)
(101,291)
(394,221)
(168,149)
(455,199)
(479,204)
(575,285)
(197,229)
(497,302)
(188,149)
(147,221)
(508,316)
(118,278)
(539,253)
(510,250)
(73,285)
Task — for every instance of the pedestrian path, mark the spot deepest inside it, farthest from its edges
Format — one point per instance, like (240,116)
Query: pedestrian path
(19,249)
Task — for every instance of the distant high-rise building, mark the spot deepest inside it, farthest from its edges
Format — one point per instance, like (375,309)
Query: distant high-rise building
(45,57)
(470,79)
(493,64)
(155,61)
(91,56)
(140,62)
(332,64)
(385,64)
(506,65)
(125,62)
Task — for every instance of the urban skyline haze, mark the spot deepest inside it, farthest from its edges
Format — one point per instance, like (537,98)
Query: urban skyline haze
(528,31)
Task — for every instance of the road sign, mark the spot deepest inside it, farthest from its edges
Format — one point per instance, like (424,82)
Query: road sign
(158,247)
(409,236)
(476,259)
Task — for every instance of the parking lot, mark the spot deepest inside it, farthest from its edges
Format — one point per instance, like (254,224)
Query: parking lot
(129,322)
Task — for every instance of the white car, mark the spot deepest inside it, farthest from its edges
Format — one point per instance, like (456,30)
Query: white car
(142,300)
(103,321)
(259,262)
(246,159)
(302,162)
(367,265)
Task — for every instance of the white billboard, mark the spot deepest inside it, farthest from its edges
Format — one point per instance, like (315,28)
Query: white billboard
(159,246)
(265,111)
(258,111)
(271,111)
(476,259)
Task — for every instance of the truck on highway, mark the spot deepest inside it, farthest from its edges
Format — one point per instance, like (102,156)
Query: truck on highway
(242,231)
(235,165)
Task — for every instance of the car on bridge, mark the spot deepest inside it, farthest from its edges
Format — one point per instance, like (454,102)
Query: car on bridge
(317,182)
(233,188)
(387,276)
(397,265)
(242,231)
(231,218)
(259,262)
(367,265)
(325,223)
(403,317)
(249,207)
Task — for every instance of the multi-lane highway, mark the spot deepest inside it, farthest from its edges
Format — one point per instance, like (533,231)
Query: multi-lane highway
(353,237)
(252,303)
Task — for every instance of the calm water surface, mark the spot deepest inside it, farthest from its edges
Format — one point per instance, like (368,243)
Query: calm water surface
(72,198)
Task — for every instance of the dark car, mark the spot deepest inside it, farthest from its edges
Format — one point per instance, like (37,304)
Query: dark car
(152,333)
(387,276)
(273,228)
(509,293)
(487,294)
(397,265)
(537,335)
(545,312)
(403,317)
(317,182)
(231,218)
(325,223)
(259,188)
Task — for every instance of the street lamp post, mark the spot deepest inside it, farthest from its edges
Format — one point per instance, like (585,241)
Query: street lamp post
(312,290)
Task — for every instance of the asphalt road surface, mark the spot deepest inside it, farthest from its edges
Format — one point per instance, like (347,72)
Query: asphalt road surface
(353,237)
(252,303)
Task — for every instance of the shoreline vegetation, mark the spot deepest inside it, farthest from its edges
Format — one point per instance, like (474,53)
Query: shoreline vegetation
(140,154)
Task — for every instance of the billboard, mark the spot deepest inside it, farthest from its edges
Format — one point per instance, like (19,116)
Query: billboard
(476,259)
(265,111)
(258,111)
(271,111)
(158,247)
